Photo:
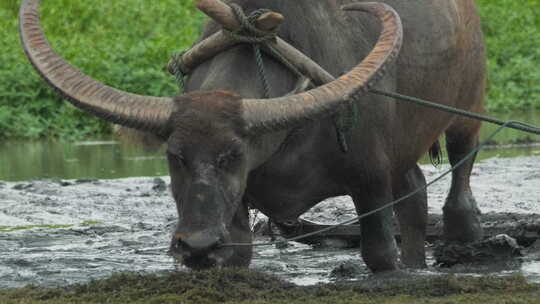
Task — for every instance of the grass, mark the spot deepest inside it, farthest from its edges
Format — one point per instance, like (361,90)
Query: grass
(243,286)
(18,228)
(126,44)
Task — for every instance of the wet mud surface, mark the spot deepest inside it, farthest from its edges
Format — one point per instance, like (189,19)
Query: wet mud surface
(55,232)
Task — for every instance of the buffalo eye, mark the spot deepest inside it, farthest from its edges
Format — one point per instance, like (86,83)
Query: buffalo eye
(176,158)
(228,159)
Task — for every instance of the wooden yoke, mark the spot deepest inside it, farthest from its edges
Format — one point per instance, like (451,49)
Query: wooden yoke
(219,42)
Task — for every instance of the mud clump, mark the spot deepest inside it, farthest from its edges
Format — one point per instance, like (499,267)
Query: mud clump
(346,270)
(86,181)
(495,249)
(22,186)
(533,251)
(159,185)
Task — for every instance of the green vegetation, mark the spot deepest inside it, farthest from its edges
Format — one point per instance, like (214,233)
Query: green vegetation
(126,44)
(17,228)
(512,30)
(243,286)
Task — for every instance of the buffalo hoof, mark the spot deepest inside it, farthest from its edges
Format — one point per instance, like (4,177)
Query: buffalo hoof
(461,218)
(413,263)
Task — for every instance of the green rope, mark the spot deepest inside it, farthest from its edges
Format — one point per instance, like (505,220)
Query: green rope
(175,68)
(249,33)
(518,126)
(345,121)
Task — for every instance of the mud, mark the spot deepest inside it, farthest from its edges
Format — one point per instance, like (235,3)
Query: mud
(58,232)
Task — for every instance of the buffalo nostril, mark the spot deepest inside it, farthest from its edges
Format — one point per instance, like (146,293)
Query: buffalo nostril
(198,245)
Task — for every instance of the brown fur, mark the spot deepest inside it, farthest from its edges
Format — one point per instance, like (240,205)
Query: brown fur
(207,111)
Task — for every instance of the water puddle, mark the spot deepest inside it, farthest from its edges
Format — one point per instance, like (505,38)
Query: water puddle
(531,269)
(96,143)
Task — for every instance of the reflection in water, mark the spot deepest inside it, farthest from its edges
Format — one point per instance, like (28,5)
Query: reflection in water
(107,158)
(509,135)
(531,269)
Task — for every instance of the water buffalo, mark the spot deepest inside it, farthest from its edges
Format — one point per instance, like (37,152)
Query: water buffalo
(227,148)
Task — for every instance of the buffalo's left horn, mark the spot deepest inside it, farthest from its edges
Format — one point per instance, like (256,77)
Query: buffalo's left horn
(281,113)
(145,113)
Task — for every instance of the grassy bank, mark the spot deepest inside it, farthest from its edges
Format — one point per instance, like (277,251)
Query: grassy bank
(126,43)
(241,286)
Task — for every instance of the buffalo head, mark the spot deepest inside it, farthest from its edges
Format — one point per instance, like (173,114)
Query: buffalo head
(210,135)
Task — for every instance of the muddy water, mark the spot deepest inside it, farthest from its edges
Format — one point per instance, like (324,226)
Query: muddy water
(107,226)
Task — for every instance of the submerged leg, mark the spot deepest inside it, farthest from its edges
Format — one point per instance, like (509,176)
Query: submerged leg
(412,216)
(378,245)
(240,231)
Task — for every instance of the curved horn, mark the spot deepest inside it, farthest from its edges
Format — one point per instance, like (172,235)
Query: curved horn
(135,111)
(284,112)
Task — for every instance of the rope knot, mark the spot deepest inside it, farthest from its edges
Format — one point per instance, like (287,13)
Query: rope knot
(248,32)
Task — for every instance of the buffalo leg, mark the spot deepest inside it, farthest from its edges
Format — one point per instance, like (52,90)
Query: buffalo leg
(378,245)
(461,216)
(240,232)
(412,215)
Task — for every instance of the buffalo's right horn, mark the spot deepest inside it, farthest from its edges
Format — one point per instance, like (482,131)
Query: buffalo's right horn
(144,113)
(284,112)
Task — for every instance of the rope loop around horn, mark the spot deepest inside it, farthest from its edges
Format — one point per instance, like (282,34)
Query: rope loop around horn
(176,68)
